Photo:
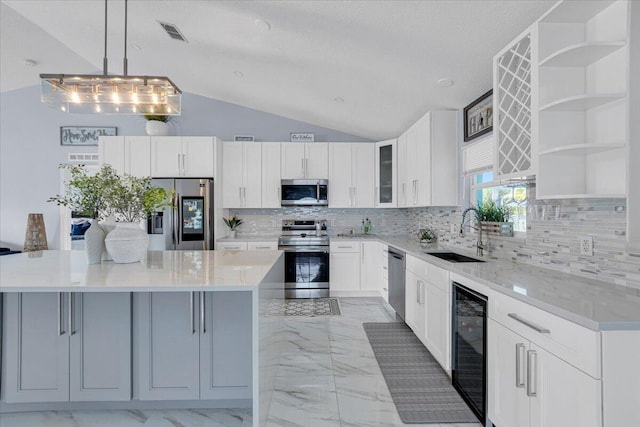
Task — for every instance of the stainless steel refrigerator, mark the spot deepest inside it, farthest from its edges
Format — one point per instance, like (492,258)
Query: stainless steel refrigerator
(189,225)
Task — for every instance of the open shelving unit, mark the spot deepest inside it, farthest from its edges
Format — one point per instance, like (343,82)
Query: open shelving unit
(582,99)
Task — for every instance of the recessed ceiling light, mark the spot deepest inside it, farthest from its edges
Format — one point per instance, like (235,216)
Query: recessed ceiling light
(263,25)
(338,99)
(445,82)
(238,73)
(30,62)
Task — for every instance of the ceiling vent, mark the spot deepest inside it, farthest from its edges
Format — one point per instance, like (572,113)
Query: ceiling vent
(173,31)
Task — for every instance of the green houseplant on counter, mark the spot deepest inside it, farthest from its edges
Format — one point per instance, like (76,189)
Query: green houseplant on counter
(126,198)
(233,222)
(494,219)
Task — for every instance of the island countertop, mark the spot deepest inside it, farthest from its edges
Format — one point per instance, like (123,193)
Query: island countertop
(68,271)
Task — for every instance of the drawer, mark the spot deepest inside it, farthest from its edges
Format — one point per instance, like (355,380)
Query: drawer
(232,246)
(569,341)
(262,246)
(344,246)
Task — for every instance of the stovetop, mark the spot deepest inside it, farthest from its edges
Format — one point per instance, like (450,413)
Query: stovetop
(303,233)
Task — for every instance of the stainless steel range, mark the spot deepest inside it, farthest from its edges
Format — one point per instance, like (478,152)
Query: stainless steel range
(306,258)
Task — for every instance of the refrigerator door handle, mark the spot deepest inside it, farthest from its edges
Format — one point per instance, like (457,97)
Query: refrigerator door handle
(176,219)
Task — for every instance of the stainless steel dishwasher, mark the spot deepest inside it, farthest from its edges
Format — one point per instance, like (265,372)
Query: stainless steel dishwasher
(396,280)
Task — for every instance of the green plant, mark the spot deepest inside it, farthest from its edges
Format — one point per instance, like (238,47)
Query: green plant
(158,117)
(125,197)
(233,222)
(427,234)
(489,211)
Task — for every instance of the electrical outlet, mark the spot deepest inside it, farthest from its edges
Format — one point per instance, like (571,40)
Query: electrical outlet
(586,245)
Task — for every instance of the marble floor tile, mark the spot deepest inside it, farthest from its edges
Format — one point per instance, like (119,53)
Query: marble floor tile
(355,365)
(304,401)
(301,363)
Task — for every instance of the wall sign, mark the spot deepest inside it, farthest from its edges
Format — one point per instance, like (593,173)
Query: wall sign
(84,135)
(303,137)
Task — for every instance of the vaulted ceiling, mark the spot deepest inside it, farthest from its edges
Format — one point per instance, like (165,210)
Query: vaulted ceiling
(368,68)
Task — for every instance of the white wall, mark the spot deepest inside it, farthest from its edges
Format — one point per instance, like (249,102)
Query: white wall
(30,149)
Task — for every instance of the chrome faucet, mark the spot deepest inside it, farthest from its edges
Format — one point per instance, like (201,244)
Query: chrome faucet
(479,245)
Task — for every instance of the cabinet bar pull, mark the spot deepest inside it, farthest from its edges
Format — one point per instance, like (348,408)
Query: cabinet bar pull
(532,359)
(519,352)
(191,322)
(60,321)
(302,161)
(72,317)
(533,326)
(184,162)
(240,195)
(263,247)
(179,172)
(202,317)
(344,247)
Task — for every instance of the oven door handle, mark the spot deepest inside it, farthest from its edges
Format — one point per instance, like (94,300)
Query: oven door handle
(306,249)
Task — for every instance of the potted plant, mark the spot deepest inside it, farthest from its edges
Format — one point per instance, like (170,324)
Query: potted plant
(233,222)
(126,198)
(157,124)
(427,236)
(494,219)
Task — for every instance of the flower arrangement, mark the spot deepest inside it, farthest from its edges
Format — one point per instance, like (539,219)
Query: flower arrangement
(233,222)
(427,235)
(489,211)
(125,197)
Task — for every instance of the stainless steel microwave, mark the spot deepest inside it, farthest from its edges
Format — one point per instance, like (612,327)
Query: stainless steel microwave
(304,192)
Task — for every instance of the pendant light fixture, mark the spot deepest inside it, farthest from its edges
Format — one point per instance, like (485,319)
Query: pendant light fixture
(111,94)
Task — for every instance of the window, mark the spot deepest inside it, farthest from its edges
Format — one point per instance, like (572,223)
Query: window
(514,196)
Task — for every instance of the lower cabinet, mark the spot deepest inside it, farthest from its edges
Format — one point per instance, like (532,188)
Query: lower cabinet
(414,304)
(437,333)
(66,347)
(529,386)
(369,266)
(193,345)
(344,267)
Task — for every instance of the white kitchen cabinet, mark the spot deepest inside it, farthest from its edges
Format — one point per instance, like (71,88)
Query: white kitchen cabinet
(71,347)
(431,161)
(179,357)
(305,160)
(415,303)
(271,158)
(176,156)
(386,163)
(437,306)
(529,386)
(369,266)
(127,154)
(242,175)
(351,175)
(344,268)
(232,246)
(383,253)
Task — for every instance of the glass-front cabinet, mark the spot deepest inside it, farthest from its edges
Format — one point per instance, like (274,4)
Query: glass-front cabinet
(386,165)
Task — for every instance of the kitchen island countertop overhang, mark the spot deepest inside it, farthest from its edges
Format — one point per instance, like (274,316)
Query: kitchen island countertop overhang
(159,271)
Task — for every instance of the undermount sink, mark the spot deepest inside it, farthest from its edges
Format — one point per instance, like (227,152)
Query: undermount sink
(453,257)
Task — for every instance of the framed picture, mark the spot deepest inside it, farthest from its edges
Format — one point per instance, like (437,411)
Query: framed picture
(84,135)
(478,117)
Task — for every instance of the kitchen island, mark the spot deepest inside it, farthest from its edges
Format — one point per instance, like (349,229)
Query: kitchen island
(180,329)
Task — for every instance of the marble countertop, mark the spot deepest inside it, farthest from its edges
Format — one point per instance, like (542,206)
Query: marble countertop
(592,303)
(68,271)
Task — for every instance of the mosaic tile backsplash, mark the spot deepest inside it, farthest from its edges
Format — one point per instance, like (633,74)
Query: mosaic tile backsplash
(553,231)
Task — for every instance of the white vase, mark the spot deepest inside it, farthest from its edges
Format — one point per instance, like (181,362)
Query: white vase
(127,243)
(157,128)
(232,234)
(108,226)
(94,242)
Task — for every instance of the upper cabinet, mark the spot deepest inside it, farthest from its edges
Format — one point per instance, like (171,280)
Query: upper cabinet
(242,175)
(427,162)
(583,102)
(351,175)
(187,156)
(386,172)
(127,154)
(305,160)
(271,159)
(512,106)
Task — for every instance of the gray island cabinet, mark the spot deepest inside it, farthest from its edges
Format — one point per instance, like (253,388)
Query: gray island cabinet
(180,329)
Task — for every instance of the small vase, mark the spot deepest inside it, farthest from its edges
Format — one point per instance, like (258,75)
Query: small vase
(108,226)
(232,234)
(127,243)
(157,128)
(94,242)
